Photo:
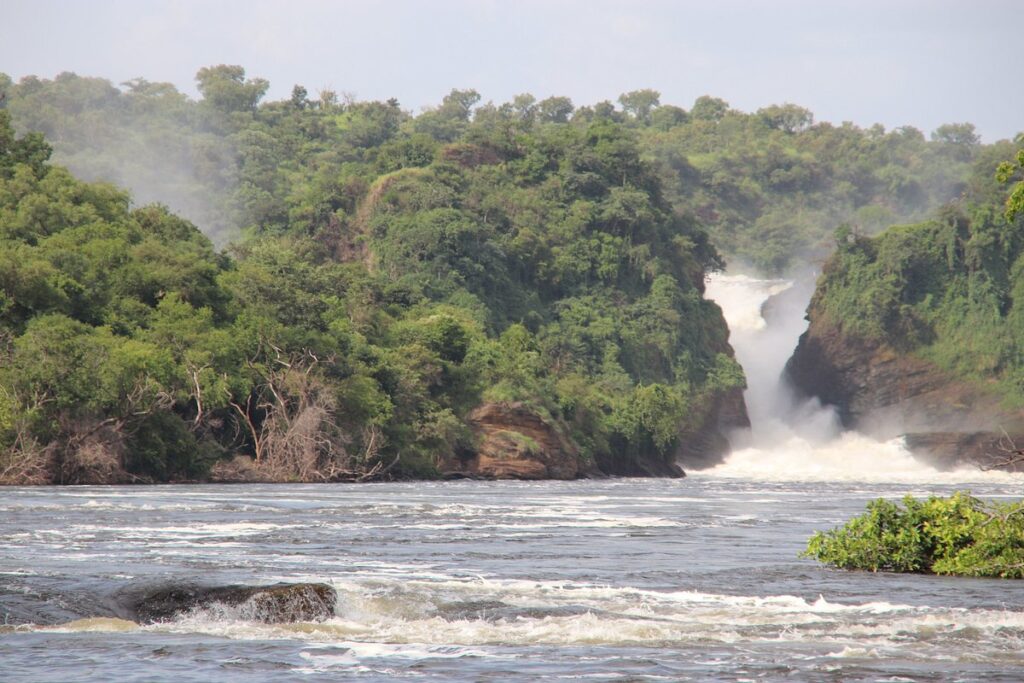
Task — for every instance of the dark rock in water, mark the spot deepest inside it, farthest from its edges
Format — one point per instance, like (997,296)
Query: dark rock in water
(277,604)
(950,450)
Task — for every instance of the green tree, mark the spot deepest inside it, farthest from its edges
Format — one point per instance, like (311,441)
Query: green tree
(225,88)
(1006,172)
(787,117)
(961,134)
(554,110)
(707,108)
(640,103)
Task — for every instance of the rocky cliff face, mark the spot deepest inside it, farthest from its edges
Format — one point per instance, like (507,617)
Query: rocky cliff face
(885,393)
(708,445)
(514,442)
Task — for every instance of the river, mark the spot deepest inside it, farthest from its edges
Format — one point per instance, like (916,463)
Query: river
(618,580)
(490,581)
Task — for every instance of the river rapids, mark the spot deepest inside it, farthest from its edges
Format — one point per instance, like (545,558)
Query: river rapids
(609,580)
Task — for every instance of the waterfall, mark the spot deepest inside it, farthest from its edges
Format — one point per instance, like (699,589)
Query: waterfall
(793,439)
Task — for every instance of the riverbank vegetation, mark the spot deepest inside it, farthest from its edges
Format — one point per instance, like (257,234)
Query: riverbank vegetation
(959,535)
(949,289)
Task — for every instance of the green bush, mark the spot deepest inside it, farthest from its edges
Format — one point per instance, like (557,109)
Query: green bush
(960,535)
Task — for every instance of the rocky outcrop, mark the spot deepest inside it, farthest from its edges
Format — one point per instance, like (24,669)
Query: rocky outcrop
(514,442)
(950,450)
(883,392)
(708,445)
(280,603)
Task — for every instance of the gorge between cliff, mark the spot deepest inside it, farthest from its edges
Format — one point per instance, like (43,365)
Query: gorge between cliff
(793,438)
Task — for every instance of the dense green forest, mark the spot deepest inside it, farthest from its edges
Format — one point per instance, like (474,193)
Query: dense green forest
(387,287)
(950,289)
(769,186)
(368,276)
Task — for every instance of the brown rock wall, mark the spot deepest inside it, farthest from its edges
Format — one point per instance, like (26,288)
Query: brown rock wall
(514,442)
(885,393)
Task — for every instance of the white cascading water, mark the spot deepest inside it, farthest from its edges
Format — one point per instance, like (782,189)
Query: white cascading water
(792,439)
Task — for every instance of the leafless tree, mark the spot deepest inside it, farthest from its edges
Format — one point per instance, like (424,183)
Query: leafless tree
(1007,456)
(290,418)
(26,462)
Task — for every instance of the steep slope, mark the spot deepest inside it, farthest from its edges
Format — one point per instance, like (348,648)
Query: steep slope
(921,331)
(557,239)
(515,296)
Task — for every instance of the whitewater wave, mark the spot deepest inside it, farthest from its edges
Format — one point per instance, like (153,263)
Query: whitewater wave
(454,617)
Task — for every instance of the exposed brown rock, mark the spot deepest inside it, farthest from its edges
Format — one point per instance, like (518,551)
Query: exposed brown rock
(514,442)
(884,392)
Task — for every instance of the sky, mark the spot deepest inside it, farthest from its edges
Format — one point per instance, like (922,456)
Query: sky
(920,63)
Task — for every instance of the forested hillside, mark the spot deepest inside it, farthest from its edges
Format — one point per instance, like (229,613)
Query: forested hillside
(387,288)
(949,289)
(397,294)
(769,186)
(919,330)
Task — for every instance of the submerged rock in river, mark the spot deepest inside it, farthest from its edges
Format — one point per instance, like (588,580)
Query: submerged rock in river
(280,603)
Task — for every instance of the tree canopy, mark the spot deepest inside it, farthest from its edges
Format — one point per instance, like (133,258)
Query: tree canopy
(376,274)
(769,187)
(395,273)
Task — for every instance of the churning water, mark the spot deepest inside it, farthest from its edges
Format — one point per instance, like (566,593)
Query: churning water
(791,439)
(691,579)
(627,579)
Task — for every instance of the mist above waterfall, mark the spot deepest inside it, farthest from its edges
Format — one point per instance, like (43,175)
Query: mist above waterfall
(791,438)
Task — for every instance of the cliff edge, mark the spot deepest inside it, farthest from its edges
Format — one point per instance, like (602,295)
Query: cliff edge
(886,393)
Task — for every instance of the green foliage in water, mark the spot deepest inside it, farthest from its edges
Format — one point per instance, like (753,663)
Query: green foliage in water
(959,535)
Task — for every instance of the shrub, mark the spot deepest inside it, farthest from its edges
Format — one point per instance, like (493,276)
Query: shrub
(959,535)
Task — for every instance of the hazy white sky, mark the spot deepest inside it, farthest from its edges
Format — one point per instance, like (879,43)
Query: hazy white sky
(895,62)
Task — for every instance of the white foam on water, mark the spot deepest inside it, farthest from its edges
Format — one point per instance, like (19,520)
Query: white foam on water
(855,653)
(399,619)
(93,625)
(791,440)
(196,530)
(603,522)
(849,457)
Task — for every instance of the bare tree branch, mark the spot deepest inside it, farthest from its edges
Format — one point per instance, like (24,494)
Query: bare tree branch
(1010,457)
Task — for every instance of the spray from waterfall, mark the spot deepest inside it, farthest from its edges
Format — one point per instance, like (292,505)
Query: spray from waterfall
(791,438)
